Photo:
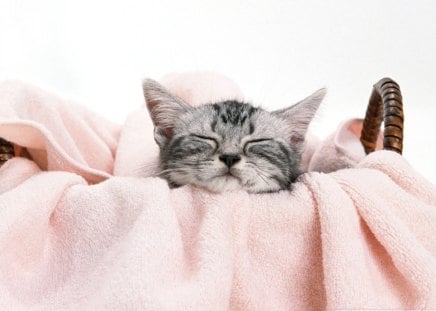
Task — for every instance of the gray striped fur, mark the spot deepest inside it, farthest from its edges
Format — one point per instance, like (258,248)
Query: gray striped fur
(192,139)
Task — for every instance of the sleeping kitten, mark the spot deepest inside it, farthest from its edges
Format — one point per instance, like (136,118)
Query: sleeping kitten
(229,145)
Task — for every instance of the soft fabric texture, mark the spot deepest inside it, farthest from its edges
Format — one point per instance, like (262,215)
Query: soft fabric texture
(82,227)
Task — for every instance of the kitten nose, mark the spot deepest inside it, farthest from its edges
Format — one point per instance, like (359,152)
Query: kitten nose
(229,159)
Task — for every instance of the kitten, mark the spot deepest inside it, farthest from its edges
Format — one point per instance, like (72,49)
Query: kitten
(228,145)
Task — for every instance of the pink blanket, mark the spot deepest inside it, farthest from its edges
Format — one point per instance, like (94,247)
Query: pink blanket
(85,226)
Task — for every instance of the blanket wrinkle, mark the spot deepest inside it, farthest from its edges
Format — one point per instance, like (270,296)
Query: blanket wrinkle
(85,225)
(71,137)
(403,175)
(409,254)
(395,231)
(31,229)
(22,169)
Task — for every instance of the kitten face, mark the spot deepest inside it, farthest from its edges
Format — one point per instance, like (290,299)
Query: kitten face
(228,145)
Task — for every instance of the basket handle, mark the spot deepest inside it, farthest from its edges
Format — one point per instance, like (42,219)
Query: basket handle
(385,104)
(6,151)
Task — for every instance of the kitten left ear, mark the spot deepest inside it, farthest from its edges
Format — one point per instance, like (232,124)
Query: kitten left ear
(301,114)
(164,107)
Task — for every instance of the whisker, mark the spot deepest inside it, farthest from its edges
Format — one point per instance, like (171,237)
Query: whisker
(171,170)
(261,173)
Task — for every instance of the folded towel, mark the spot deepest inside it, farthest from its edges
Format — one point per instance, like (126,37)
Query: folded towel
(84,225)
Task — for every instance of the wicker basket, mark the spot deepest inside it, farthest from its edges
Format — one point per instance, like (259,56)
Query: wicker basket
(385,104)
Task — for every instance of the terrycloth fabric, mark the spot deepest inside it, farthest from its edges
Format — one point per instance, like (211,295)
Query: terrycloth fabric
(81,230)
(58,134)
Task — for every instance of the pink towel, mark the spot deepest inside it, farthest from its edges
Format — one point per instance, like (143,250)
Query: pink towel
(84,225)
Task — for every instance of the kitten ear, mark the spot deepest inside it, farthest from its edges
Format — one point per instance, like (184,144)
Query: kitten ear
(164,109)
(301,114)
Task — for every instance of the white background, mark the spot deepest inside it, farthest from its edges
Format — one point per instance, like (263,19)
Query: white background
(97,53)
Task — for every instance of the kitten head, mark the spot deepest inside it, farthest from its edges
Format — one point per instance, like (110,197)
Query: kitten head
(229,145)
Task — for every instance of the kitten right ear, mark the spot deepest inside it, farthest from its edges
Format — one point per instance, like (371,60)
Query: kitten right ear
(300,115)
(164,109)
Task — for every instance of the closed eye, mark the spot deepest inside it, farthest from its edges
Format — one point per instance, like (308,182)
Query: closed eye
(208,139)
(258,140)
(205,137)
(255,141)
